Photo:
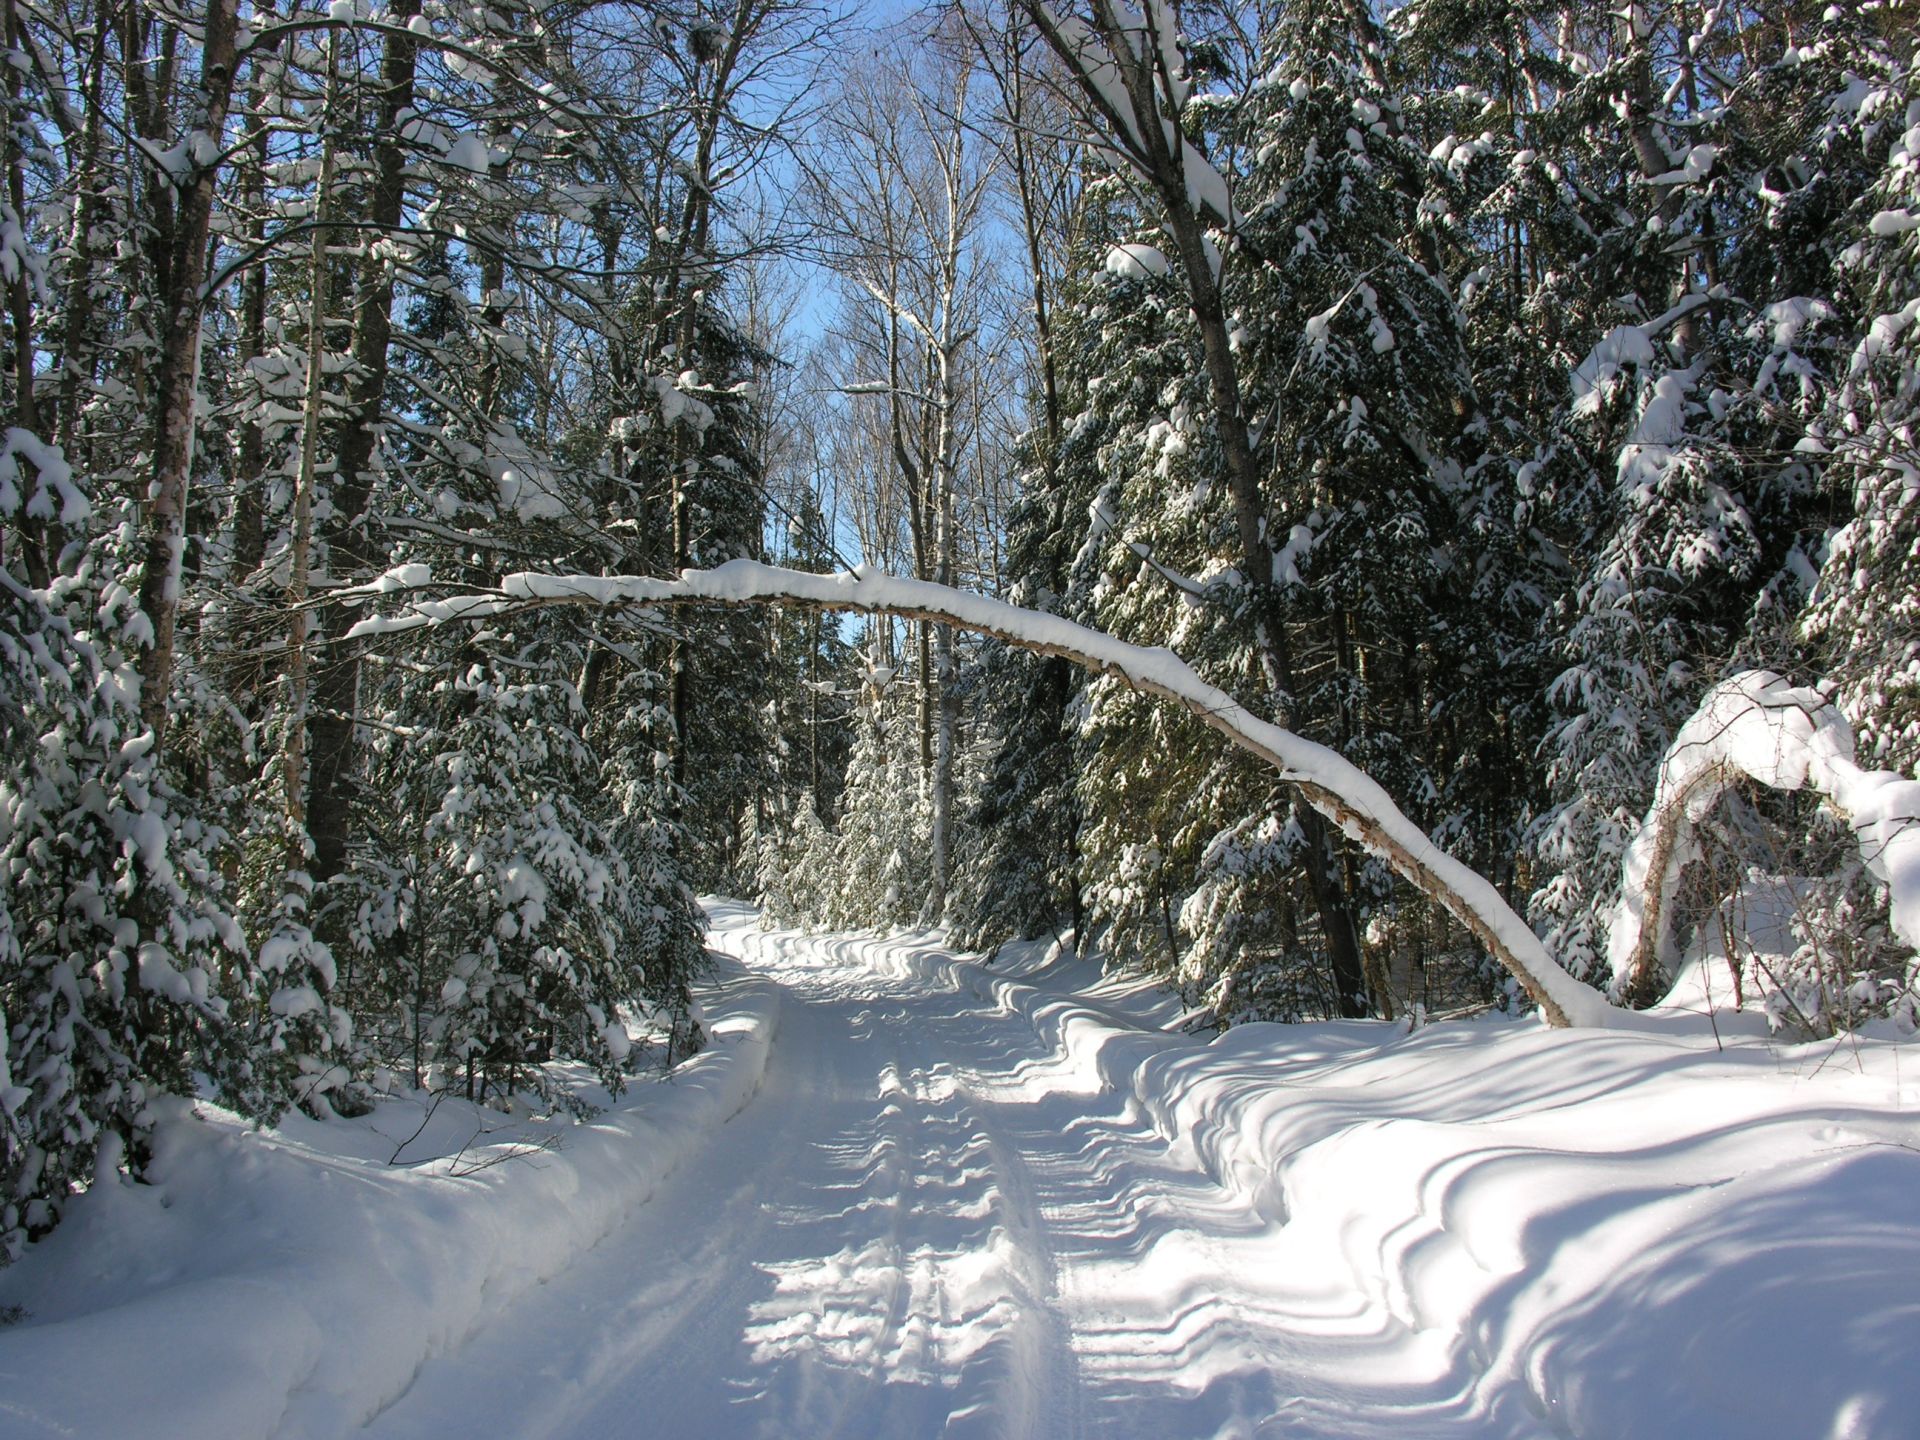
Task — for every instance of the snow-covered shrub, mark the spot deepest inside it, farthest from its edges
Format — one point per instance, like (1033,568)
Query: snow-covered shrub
(302,1020)
(1779,889)
(869,869)
(1846,965)
(121,968)
(885,825)
(798,869)
(1247,958)
(497,921)
(658,922)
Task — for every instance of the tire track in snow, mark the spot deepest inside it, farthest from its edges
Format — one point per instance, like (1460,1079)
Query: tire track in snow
(1052,1387)
(852,1255)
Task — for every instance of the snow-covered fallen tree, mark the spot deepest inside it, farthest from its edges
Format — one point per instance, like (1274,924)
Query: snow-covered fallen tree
(1328,782)
(1755,726)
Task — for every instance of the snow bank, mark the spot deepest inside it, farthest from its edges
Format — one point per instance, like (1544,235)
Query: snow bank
(1489,1229)
(292,1282)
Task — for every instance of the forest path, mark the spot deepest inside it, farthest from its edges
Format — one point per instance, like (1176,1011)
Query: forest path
(921,1226)
(1006,1202)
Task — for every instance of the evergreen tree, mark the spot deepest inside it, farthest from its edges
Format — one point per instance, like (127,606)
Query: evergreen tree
(1864,616)
(1019,875)
(813,682)
(122,969)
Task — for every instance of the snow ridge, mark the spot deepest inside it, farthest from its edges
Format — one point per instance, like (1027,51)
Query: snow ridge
(1476,1229)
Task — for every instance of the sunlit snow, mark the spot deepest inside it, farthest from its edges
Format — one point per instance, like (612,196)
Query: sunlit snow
(908,1194)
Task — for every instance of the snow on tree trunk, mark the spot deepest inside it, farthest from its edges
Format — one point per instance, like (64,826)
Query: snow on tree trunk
(1756,726)
(1330,783)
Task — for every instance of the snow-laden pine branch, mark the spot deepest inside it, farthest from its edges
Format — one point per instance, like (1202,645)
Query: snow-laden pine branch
(1756,726)
(1329,782)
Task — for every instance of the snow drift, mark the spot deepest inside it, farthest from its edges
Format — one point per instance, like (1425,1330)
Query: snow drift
(1493,1228)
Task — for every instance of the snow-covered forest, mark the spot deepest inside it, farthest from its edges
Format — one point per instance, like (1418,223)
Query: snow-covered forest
(1507,415)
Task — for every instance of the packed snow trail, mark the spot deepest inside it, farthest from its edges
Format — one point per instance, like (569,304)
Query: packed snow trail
(856,1253)
(962,1205)
(905,1195)
(868,1249)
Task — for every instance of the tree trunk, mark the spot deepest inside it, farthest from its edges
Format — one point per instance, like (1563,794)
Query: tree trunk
(682,306)
(299,559)
(249,480)
(946,707)
(164,541)
(36,542)
(78,346)
(1144,136)
(336,688)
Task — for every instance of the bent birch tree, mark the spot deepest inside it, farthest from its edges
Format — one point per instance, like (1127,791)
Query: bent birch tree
(1334,787)
(1755,726)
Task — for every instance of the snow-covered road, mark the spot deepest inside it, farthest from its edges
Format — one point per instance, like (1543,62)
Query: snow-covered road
(861,1251)
(905,1195)
(926,1224)
(964,1204)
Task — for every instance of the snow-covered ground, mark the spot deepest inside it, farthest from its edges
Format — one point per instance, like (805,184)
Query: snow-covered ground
(908,1195)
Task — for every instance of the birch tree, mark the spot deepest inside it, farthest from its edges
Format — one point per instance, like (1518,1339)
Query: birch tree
(906,206)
